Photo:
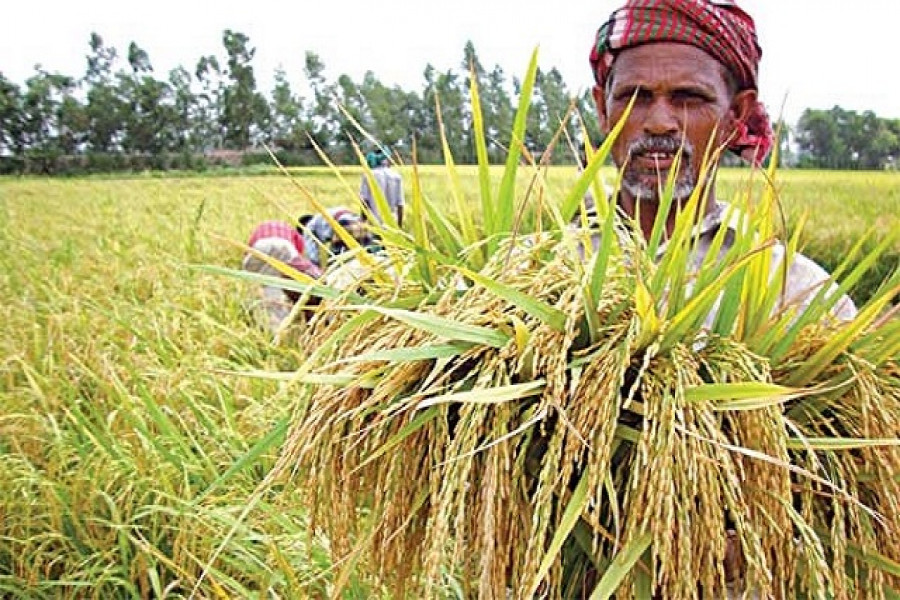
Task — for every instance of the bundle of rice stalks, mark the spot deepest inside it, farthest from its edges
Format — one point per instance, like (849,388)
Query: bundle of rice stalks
(568,412)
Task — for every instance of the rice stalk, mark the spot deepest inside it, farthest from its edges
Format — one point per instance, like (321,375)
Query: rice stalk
(555,417)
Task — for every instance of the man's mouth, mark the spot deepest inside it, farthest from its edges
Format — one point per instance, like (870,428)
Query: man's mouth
(653,156)
(653,160)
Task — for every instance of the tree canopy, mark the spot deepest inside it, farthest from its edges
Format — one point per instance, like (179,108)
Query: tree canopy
(121,113)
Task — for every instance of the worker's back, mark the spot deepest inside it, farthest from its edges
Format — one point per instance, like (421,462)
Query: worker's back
(391,185)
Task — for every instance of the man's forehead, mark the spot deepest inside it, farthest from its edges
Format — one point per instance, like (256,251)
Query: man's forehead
(672,62)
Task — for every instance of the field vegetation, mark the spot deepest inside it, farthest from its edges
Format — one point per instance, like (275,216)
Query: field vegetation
(128,446)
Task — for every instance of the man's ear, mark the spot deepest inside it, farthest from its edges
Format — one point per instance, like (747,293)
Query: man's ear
(600,101)
(742,104)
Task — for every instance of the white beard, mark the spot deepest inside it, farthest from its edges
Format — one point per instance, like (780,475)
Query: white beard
(639,188)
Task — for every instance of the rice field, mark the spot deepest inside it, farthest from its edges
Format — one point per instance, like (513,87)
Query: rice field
(128,446)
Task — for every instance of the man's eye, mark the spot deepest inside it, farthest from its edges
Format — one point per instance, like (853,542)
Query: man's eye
(627,94)
(688,96)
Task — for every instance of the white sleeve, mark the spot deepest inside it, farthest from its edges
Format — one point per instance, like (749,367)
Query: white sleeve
(805,279)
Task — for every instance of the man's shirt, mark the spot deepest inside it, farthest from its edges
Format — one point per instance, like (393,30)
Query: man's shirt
(804,280)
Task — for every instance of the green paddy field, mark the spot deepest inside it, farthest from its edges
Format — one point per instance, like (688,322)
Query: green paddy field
(128,446)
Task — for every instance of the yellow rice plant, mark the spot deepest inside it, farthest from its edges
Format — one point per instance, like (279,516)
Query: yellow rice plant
(542,409)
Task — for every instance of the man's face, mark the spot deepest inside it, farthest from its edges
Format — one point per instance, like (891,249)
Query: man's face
(683,97)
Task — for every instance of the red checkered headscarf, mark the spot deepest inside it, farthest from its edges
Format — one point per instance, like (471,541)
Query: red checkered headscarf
(718,27)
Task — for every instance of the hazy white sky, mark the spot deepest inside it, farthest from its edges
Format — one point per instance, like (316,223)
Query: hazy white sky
(816,53)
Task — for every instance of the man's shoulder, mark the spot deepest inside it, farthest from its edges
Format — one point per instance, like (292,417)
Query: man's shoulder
(380,174)
(805,278)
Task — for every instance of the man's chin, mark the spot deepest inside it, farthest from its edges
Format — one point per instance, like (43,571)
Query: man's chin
(648,190)
(644,188)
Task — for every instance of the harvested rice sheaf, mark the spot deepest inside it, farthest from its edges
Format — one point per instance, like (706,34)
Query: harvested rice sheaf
(531,414)
(469,461)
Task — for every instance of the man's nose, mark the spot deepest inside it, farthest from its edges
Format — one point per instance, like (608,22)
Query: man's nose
(661,118)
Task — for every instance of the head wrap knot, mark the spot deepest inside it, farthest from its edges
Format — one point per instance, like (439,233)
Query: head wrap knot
(376,158)
(718,27)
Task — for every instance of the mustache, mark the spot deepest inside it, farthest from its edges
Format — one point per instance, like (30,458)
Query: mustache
(663,144)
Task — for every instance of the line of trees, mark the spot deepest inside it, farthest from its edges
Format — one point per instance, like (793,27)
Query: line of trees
(120,114)
(844,139)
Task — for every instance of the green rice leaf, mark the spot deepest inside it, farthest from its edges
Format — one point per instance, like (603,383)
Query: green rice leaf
(839,342)
(621,565)
(629,434)
(749,403)
(576,195)
(506,198)
(712,267)
(674,263)
(744,390)
(828,444)
(826,298)
(761,329)
(397,355)
(600,260)
(757,284)
(420,420)
(873,559)
(601,197)
(699,306)
(441,327)
(463,213)
(570,518)
(484,163)
(643,583)
(417,217)
(645,309)
(451,238)
(553,317)
(881,344)
(665,207)
(272,440)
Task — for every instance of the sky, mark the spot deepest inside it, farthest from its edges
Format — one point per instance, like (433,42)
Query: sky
(816,53)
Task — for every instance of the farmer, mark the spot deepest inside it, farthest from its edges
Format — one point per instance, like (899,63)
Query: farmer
(283,242)
(390,183)
(322,242)
(693,65)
